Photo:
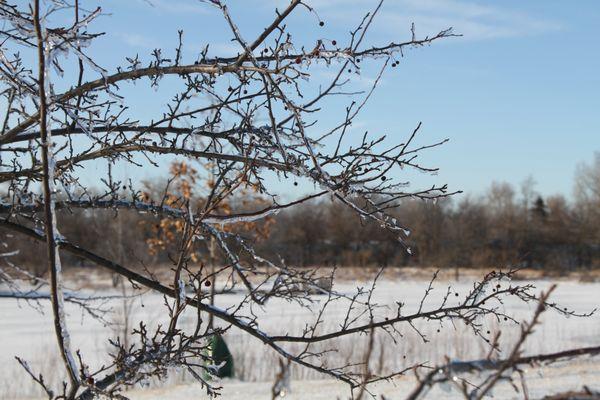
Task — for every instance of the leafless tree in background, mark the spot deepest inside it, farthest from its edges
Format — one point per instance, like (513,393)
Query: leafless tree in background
(57,123)
(587,194)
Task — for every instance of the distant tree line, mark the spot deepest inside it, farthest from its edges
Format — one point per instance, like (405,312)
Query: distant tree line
(498,229)
(505,226)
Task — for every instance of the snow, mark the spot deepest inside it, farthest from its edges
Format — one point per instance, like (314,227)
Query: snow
(29,335)
(555,379)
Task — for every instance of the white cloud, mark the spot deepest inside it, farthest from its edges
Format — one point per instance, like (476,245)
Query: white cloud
(225,49)
(356,82)
(180,6)
(476,21)
(137,40)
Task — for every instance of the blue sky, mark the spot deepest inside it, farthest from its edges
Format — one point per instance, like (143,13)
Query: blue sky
(517,95)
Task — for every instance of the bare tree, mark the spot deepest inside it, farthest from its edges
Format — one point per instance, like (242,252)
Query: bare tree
(56,123)
(587,194)
(587,181)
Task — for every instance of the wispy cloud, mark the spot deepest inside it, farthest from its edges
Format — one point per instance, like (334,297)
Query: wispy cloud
(179,6)
(144,42)
(137,40)
(224,49)
(356,82)
(476,21)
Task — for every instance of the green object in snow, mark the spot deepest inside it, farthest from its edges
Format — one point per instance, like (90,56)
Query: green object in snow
(220,354)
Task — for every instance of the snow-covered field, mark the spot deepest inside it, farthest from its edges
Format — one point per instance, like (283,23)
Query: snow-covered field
(540,383)
(28,334)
